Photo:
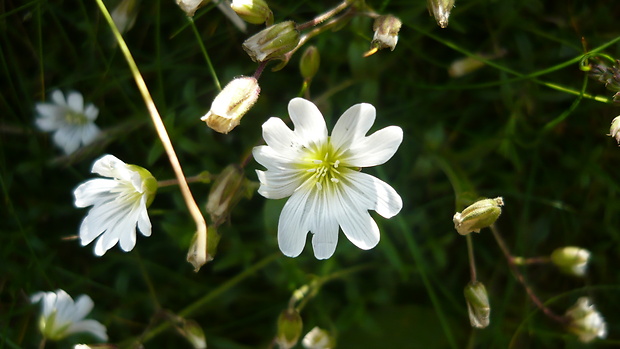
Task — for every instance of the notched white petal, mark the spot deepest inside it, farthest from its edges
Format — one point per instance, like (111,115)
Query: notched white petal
(353,125)
(375,149)
(308,120)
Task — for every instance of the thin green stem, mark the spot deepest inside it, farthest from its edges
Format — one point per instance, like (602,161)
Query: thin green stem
(325,16)
(472,261)
(205,54)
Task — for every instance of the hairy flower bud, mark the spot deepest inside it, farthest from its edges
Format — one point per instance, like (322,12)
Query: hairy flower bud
(586,322)
(480,214)
(309,63)
(386,32)
(477,304)
(253,11)
(571,260)
(440,9)
(272,42)
(232,103)
(289,328)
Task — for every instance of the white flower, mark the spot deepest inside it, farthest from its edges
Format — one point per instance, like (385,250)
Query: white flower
(61,316)
(119,204)
(71,122)
(321,175)
(586,322)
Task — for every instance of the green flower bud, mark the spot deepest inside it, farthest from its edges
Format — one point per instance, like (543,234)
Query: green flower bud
(232,103)
(290,326)
(149,183)
(272,42)
(309,63)
(386,30)
(213,240)
(318,338)
(586,322)
(440,9)
(477,304)
(225,192)
(480,214)
(253,11)
(571,260)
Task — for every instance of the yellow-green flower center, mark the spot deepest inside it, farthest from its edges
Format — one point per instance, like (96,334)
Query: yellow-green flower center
(323,168)
(75,118)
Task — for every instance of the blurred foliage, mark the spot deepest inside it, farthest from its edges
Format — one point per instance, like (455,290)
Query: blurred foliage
(518,127)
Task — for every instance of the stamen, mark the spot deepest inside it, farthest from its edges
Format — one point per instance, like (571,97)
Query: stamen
(336,163)
(319,185)
(334,180)
(317,162)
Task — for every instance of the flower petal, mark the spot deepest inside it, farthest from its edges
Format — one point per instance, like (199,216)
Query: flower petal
(76,101)
(293,225)
(373,194)
(375,149)
(110,166)
(324,226)
(68,138)
(58,98)
(356,223)
(83,305)
(272,159)
(352,125)
(281,138)
(278,184)
(309,122)
(90,326)
(95,190)
(91,112)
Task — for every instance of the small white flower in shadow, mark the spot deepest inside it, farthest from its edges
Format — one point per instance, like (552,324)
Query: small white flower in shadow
(69,119)
(321,175)
(119,204)
(61,316)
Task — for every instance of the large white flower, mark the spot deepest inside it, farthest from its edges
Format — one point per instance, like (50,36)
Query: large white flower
(321,175)
(119,204)
(61,316)
(71,122)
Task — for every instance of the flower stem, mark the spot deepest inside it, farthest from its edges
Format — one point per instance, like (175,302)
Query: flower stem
(472,260)
(521,279)
(42,343)
(194,210)
(325,16)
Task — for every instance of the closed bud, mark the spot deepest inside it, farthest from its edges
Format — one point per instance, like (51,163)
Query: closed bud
(386,32)
(124,15)
(585,321)
(571,260)
(213,240)
(148,182)
(440,9)
(318,338)
(478,306)
(253,11)
(272,42)
(614,130)
(480,214)
(289,328)
(232,103)
(309,63)
(464,66)
(225,192)
(190,6)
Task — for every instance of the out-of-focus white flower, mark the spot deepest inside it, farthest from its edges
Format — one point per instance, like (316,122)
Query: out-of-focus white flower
(69,119)
(614,130)
(318,338)
(321,175)
(119,204)
(586,322)
(124,15)
(61,316)
(571,260)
